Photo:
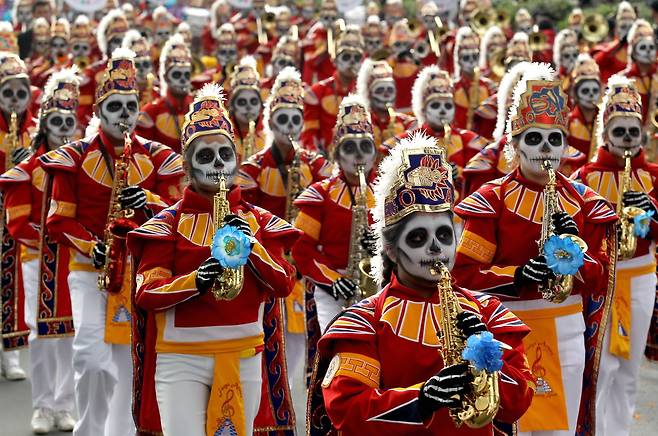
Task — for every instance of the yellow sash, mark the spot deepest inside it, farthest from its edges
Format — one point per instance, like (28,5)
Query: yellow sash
(225,414)
(117,313)
(621,317)
(296,322)
(548,410)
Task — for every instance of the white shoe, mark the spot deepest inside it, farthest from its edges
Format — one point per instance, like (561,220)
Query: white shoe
(64,420)
(13,373)
(42,421)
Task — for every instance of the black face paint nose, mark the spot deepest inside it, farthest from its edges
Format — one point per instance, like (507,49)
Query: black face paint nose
(545,147)
(434,246)
(219,163)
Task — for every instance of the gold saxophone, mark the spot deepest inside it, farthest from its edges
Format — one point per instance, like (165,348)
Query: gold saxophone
(260,31)
(480,404)
(390,128)
(559,286)
(473,98)
(358,262)
(249,143)
(229,284)
(12,140)
(119,223)
(147,95)
(627,239)
(293,183)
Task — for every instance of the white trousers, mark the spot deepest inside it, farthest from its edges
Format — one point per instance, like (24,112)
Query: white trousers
(182,386)
(103,372)
(327,307)
(617,384)
(51,364)
(295,359)
(570,331)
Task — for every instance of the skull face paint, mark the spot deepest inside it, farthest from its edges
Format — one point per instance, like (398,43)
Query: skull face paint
(60,128)
(179,80)
(286,122)
(373,44)
(15,96)
(327,19)
(568,57)
(144,66)
(588,93)
(210,157)
(59,48)
(113,44)
(468,60)
(161,36)
(41,46)
(440,111)
(382,94)
(118,109)
(400,47)
(280,63)
(623,133)
(227,55)
(24,15)
(622,28)
(644,51)
(426,238)
(356,151)
(80,49)
(348,63)
(246,106)
(537,145)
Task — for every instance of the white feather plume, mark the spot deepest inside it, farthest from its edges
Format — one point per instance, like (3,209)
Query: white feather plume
(462,33)
(484,44)
(93,127)
(362,80)
(130,37)
(420,84)
(614,81)
(6,27)
(631,35)
(175,39)
(562,36)
(505,88)
(102,28)
(67,75)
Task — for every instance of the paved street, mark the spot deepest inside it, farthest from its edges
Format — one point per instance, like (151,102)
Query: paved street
(15,410)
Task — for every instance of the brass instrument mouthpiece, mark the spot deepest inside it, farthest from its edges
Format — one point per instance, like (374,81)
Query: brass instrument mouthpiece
(435,269)
(124,127)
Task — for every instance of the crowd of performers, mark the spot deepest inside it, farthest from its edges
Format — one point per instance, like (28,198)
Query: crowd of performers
(289,224)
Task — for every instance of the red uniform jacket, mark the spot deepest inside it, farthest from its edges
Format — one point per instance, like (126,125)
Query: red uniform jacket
(320,110)
(374,390)
(462,98)
(90,78)
(581,132)
(263,178)
(384,130)
(325,217)
(603,176)
(247,32)
(612,58)
(486,116)
(643,83)
(404,75)
(162,120)
(168,249)
(82,186)
(317,62)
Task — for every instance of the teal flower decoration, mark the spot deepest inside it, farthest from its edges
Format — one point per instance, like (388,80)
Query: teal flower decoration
(563,255)
(641,224)
(484,352)
(230,247)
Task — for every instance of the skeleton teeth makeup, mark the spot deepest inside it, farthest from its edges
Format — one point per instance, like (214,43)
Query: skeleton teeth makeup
(588,93)
(425,239)
(348,63)
(118,109)
(568,58)
(468,60)
(60,128)
(353,152)
(382,94)
(439,111)
(536,145)
(212,156)
(286,122)
(15,96)
(58,47)
(623,133)
(179,80)
(227,55)
(246,106)
(644,51)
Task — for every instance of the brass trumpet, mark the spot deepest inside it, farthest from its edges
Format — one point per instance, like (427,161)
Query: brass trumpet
(481,21)
(536,40)
(595,28)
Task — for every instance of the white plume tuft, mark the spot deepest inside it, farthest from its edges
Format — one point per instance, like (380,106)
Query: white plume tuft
(484,44)
(420,84)
(93,127)
(631,35)
(507,84)
(102,28)
(362,80)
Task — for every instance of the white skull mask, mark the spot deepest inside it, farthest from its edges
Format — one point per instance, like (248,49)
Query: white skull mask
(15,96)
(279,63)
(24,15)
(440,111)
(246,105)
(382,94)
(644,51)
(537,145)
(113,44)
(348,63)
(60,128)
(356,151)
(588,93)
(400,47)
(227,55)
(117,110)
(568,57)
(144,66)
(80,49)
(327,19)
(373,44)
(178,80)
(286,122)
(426,238)
(308,12)
(161,36)
(212,157)
(41,46)
(58,47)
(623,133)
(622,28)
(468,60)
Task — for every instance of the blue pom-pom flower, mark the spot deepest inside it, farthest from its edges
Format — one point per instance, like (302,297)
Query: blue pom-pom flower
(641,224)
(230,247)
(484,352)
(563,255)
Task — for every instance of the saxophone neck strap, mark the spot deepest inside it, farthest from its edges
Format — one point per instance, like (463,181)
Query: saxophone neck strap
(106,157)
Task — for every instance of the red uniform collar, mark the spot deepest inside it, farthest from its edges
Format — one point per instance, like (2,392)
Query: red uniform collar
(338,86)
(180,106)
(634,71)
(607,159)
(194,202)
(107,142)
(516,175)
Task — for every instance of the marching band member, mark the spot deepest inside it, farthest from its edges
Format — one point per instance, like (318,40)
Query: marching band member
(246,107)
(161,120)
(227,57)
(40,43)
(643,66)
(15,136)
(471,87)
(619,130)
(612,57)
(404,63)
(429,12)
(83,187)
(245,23)
(21,15)
(585,92)
(58,56)
(374,37)
(492,50)
(318,64)
(366,388)
(565,52)
(497,254)
(305,16)
(81,42)
(376,86)
(220,12)
(47,312)
(434,108)
(200,357)
(523,21)
(146,80)
(325,212)
(324,98)
(287,53)
(164,25)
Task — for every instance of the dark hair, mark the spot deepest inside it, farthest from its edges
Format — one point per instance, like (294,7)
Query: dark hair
(654,5)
